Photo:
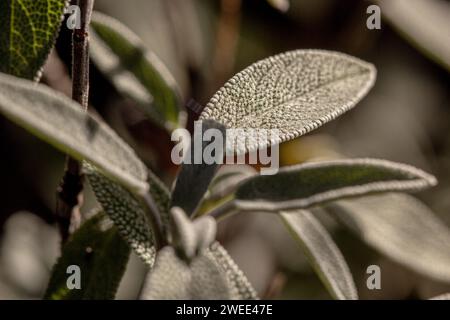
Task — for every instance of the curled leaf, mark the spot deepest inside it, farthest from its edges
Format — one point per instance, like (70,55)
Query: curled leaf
(62,123)
(322,252)
(309,184)
(294,92)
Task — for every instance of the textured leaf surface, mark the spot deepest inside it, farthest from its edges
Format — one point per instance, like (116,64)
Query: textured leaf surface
(294,92)
(134,70)
(402,228)
(322,252)
(309,184)
(425,23)
(61,122)
(126,212)
(172,278)
(194,178)
(28,30)
(241,288)
(102,256)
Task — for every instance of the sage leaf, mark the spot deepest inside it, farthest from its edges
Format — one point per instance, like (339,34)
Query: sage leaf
(28,32)
(100,253)
(173,278)
(402,228)
(424,23)
(322,252)
(241,288)
(309,184)
(294,92)
(62,123)
(196,174)
(134,70)
(126,213)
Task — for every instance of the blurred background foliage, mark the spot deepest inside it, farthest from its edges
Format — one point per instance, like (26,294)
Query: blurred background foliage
(405,118)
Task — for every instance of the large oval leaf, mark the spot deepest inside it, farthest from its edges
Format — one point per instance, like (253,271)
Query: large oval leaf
(294,92)
(102,256)
(308,184)
(402,228)
(134,70)
(28,30)
(322,252)
(62,122)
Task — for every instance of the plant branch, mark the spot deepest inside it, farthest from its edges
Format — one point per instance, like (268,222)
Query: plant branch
(69,193)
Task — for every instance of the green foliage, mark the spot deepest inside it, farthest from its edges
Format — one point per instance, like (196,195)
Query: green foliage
(28,32)
(173,278)
(294,92)
(402,228)
(126,212)
(309,184)
(322,252)
(102,256)
(135,70)
(61,122)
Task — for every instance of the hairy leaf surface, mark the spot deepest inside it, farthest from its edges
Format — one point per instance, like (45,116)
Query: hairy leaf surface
(28,31)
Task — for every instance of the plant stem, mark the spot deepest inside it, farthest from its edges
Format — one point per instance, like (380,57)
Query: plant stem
(223,210)
(69,193)
(154,216)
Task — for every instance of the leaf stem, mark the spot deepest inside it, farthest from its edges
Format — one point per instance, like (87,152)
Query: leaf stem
(69,192)
(155,220)
(224,210)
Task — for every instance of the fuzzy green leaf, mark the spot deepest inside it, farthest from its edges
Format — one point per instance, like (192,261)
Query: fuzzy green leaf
(173,278)
(309,184)
(400,227)
(294,92)
(134,70)
(241,288)
(62,122)
(28,31)
(100,253)
(322,252)
(126,212)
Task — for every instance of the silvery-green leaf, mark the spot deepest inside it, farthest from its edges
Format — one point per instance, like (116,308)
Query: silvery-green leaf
(294,92)
(28,30)
(196,174)
(173,278)
(226,179)
(402,228)
(126,212)
(191,236)
(62,123)
(134,70)
(309,184)
(445,296)
(424,23)
(100,253)
(241,288)
(322,252)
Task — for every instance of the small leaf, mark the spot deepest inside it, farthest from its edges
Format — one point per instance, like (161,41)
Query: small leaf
(134,70)
(194,177)
(61,122)
(309,184)
(100,253)
(424,23)
(126,212)
(28,31)
(240,286)
(402,228)
(172,278)
(322,252)
(294,92)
